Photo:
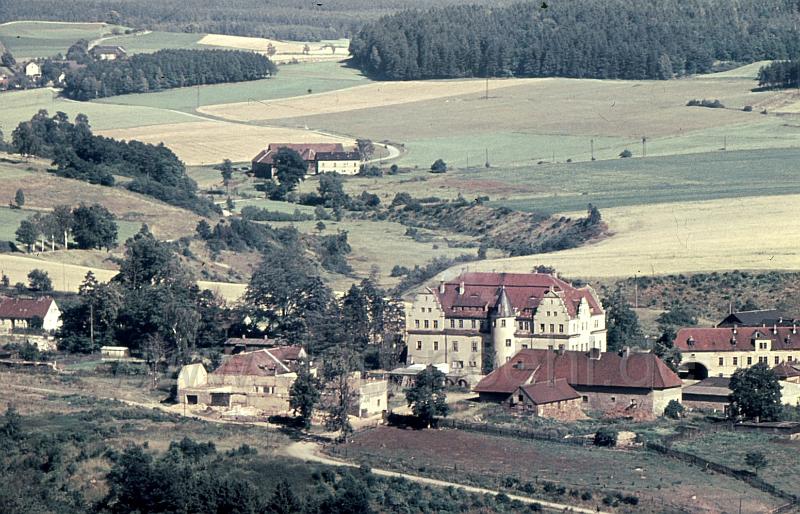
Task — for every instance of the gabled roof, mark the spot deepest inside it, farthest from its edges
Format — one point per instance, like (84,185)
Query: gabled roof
(524,290)
(275,361)
(551,391)
(308,151)
(736,339)
(711,386)
(635,370)
(755,318)
(25,308)
(251,341)
(785,370)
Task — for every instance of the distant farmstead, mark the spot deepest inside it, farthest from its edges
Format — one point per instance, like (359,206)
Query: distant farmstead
(32,70)
(263,162)
(26,313)
(344,163)
(108,53)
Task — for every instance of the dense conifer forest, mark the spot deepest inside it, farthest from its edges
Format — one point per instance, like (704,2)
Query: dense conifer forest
(648,39)
(283,19)
(780,74)
(165,69)
(79,154)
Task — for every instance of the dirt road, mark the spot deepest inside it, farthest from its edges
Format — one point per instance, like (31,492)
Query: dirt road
(310,452)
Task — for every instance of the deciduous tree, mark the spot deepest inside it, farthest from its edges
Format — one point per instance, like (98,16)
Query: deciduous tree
(427,398)
(756,393)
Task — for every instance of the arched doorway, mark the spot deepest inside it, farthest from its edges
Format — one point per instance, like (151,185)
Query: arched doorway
(693,371)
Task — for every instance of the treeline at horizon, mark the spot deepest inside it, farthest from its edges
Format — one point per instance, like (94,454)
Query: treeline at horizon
(608,39)
(282,19)
(780,75)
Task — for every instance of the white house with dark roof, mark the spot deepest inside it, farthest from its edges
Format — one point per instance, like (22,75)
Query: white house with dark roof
(499,314)
(23,313)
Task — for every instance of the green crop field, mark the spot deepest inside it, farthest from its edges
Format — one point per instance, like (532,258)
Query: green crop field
(291,80)
(153,41)
(17,106)
(29,39)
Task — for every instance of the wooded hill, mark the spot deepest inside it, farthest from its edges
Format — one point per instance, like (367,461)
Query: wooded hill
(282,19)
(608,39)
(165,69)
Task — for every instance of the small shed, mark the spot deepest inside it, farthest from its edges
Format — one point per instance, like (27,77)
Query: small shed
(550,399)
(114,353)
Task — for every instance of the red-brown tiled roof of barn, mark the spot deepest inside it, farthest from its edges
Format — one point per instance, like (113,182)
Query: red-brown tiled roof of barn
(275,361)
(635,370)
(550,391)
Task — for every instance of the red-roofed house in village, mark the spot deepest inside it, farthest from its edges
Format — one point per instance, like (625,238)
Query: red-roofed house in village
(24,313)
(718,352)
(477,315)
(626,383)
(259,379)
(262,163)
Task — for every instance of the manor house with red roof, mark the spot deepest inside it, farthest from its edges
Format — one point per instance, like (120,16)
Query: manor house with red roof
(478,321)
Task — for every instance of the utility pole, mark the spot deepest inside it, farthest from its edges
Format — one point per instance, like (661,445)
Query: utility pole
(487,157)
(591,142)
(644,146)
(724,142)
(198,96)
(91,322)
(487,87)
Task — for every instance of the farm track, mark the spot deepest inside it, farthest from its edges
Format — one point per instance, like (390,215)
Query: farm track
(309,451)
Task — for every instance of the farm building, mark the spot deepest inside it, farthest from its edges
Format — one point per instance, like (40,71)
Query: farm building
(234,345)
(625,384)
(262,163)
(343,163)
(26,313)
(458,322)
(718,352)
(756,318)
(713,392)
(108,53)
(550,399)
(260,379)
(32,70)
(114,353)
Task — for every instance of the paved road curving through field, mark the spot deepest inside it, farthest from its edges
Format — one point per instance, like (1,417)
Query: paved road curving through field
(309,451)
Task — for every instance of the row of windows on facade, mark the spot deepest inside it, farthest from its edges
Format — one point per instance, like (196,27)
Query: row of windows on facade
(523,325)
(763,359)
(455,346)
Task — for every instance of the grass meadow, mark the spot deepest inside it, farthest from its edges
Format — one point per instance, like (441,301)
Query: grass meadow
(291,81)
(30,39)
(150,42)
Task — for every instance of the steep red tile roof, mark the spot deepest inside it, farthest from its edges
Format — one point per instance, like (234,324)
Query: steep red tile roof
(307,151)
(542,393)
(275,361)
(637,370)
(24,308)
(736,339)
(524,291)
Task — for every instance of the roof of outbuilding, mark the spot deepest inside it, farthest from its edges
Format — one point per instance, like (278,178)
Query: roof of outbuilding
(711,386)
(551,391)
(25,308)
(755,317)
(635,370)
(275,361)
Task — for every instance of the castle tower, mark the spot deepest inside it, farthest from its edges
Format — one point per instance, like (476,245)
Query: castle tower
(503,328)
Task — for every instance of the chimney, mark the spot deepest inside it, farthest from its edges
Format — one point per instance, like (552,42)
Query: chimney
(734,329)
(775,328)
(461,288)
(626,352)
(794,328)
(441,287)
(594,354)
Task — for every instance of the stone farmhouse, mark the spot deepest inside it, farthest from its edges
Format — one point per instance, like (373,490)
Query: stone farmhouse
(262,163)
(616,384)
(343,163)
(108,53)
(719,351)
(260,380)
(478,321)
(23,313)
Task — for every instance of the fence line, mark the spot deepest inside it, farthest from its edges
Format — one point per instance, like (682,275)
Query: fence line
(487,428)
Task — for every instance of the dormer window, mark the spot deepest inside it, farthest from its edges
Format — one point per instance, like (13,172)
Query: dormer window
(690,341)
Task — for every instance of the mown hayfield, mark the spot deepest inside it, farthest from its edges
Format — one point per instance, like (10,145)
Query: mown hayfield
(285,51)
(44,190)
(291,81)
(374,95)
(18,106)
(751,233)
(30,39)
(204,142)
